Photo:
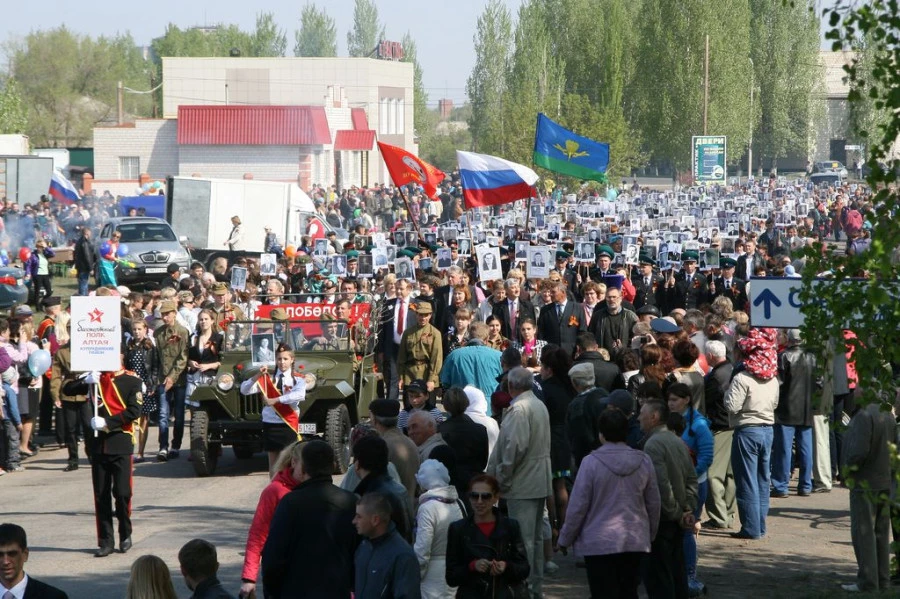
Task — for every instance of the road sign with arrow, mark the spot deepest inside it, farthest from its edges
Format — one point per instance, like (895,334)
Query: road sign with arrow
(775,302)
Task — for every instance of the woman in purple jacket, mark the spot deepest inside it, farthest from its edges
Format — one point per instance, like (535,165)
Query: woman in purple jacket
(613,512)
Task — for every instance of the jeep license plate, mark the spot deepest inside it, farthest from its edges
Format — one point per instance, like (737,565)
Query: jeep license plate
(307,428)
(155,270)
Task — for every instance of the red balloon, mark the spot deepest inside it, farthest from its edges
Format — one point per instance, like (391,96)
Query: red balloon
(24,254)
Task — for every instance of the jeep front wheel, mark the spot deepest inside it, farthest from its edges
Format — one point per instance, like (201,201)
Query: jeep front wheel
(205,455)
(337,434)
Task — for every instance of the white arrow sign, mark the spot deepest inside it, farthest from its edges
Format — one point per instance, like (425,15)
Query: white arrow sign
(775,302)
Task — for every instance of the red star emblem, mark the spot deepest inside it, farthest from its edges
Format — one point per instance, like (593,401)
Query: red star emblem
(96,315)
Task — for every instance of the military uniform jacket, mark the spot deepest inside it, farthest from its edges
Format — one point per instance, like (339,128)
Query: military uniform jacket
(736,292)
(172,343)
(689,291)
(421,355)
(652,294)
(226,314)
(118,440)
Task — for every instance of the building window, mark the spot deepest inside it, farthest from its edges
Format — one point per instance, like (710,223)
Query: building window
(129,167)
(383,107)
(401,115)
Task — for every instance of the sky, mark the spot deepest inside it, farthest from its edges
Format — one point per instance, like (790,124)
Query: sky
(443,30)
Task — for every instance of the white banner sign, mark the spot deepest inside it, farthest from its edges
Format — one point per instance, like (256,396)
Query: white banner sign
(96,333)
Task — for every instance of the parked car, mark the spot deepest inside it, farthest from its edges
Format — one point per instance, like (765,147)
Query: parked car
(152,246)
(12,287)
(832,179)
(831,166)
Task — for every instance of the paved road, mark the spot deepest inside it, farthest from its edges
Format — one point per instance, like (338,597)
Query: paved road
(807,554)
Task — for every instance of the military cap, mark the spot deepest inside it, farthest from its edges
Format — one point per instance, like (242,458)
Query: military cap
(646,259)
(219,288)
(690,256)
(561,255)
(423,307)
(664,325)
(167,306)
(278,314)
(605,250)
(727,262)
(648,309)
(352,255)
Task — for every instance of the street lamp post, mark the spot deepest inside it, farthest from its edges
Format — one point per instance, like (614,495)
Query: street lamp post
(750,145)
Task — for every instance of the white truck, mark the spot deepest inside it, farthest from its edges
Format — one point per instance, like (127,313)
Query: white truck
(201,210)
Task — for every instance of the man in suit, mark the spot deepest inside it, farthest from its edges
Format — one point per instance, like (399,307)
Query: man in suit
(561,320)
(512,310)
(396,317)
(730,286)
(489,262)
(689,289)
(13,580)
(749,262)
(648,285)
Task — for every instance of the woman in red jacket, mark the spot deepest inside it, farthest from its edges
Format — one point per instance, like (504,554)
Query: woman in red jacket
(287,476)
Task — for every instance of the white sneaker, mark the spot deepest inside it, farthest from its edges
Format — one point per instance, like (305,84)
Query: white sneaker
(851,588)
(550,567)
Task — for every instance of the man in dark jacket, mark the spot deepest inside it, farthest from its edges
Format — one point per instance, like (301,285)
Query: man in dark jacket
(468,438)
(370,459)
(720,504)
(607,375)
(199,565)
(386,565)
(311,540)
(794,417)
(85,255)
(561,320)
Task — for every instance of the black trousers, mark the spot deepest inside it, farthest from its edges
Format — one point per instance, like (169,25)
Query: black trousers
(112,481)
(41,282)
(663,568)
(614,576)
(75,413)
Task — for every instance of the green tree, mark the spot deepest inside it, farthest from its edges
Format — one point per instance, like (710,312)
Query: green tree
(668,89)
(367,31)
(439,148)
(486,86)
(787,74)
(68,83)
(423,121)
(868,116)
(13,114)
(267,39)
(317,35)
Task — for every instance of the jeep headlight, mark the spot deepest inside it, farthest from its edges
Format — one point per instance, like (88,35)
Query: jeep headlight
(225,381)
(311,381)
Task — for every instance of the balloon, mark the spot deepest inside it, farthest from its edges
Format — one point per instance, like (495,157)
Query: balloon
(24,254)
(122,251)
(290,251)
(105,248)
(39,362)
(157,185)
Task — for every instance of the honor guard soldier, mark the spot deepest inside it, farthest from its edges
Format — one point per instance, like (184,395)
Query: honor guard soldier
(605,255)
(649,286)
(421,354)
(119,396)
(224,310)
(730,286)
(688,289)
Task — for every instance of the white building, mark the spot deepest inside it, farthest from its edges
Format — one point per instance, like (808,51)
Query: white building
(311,120)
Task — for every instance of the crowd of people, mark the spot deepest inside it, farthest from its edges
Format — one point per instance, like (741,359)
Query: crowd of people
(597,402)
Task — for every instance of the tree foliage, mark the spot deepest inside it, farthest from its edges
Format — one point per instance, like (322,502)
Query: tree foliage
(267,39)
(13,114)
(861,292)
(486,85)
(68,83)
(367,31)
(317,35)
(420,97)
(223,40)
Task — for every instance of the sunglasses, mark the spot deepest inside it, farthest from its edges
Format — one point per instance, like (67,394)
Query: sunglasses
(480,496)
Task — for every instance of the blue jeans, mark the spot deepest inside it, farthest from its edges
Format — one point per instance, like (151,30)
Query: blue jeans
(83,281)
(690,541)
(750,455)
(171,402)
(781,457)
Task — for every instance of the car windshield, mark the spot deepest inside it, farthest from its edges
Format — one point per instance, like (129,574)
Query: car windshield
(137,232)
(297,334)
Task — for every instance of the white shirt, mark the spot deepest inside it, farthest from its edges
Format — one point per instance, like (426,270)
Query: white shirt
(296,393)
(397,305)
(18,591)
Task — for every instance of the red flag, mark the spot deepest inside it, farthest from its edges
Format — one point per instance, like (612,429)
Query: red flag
(405,167)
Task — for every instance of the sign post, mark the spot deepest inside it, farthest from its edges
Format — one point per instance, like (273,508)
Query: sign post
(708,158)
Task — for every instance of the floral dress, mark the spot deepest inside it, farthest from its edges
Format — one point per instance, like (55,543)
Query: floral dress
(136,360)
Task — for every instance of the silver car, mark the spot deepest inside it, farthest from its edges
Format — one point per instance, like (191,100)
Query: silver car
(152,246)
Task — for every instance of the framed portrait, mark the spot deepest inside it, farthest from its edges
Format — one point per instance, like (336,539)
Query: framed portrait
(262,348)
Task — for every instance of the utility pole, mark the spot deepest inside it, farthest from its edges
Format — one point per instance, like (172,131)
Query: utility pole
(706,86)
(120,103)
(750,145)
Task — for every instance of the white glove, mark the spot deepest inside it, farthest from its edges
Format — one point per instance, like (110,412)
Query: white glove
(98,423)
(92,378)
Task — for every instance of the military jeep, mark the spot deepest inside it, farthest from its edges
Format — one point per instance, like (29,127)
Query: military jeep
(338,369)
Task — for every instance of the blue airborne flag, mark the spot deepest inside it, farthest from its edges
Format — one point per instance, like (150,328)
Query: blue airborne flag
(562,151)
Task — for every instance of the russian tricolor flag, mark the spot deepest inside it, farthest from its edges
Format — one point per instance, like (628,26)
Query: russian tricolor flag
(61,189)
(489,180)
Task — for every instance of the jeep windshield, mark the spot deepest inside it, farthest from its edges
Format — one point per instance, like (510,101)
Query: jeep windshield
(299,335)
(138,232)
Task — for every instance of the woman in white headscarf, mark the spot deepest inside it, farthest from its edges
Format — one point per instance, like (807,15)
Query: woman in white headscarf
(439,506)
(477,411)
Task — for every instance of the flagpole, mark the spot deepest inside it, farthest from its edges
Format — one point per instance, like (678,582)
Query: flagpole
(409,212)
